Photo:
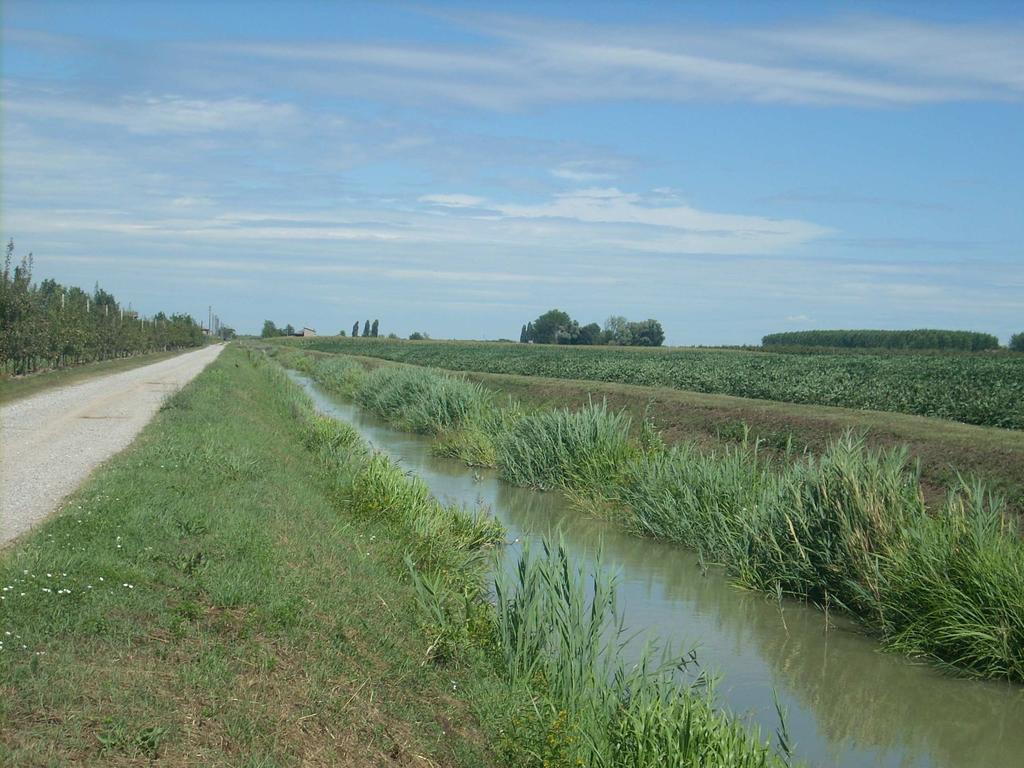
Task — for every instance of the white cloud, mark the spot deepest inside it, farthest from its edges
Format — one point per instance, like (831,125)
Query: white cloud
(580,171)
(188,201)
(690,230)
(453,201)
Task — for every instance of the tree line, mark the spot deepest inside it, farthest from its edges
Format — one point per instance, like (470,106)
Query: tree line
(924,338)
(49,325)
(557,327)
(270,330)
(369,331)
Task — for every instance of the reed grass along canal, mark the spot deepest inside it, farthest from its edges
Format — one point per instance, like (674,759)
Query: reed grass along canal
(848,703)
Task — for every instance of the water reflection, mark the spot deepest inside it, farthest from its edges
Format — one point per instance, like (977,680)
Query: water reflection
(849,704)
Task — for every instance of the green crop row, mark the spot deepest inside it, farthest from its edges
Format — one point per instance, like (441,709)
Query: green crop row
(976,389)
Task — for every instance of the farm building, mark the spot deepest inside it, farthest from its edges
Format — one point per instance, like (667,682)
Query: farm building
(306,332)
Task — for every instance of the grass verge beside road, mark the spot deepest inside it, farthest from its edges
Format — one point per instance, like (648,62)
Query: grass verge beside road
(202,600)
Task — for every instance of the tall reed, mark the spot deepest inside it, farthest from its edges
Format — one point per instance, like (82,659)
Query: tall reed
(559,630)
(421,400)
(849,529)
(587,448)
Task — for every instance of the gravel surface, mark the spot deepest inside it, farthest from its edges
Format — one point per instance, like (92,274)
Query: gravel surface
(49,443)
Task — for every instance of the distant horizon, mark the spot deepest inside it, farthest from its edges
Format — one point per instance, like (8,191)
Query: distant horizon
(731,170)
(201,318)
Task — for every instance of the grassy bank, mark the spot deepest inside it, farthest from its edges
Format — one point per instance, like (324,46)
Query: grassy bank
(848,528)
(248,585)
(984,389)
(205,600)
(16,387)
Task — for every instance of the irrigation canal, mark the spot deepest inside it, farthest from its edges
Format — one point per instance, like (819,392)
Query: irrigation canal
(848,704)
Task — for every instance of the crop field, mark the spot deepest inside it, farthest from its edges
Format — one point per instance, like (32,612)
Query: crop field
(982,389)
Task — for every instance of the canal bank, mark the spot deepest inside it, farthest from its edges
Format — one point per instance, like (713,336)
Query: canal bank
(848,704)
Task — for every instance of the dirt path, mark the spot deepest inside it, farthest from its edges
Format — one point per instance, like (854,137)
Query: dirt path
(50,443)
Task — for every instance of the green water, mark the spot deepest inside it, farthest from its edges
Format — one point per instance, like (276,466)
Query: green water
(848,703)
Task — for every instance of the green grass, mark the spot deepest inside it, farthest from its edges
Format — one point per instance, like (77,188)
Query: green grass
(15,388)
(848,528)
(235,589)
(985,389)
(265,622)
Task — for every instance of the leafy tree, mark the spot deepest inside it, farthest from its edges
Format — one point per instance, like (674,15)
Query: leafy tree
(355,330)
(647,333)
(288,330)
(568,334)
(341,332)
(523,338)
(366,329)
(392,335)
(589,334)
(417,336)
(50,325)
(1017,342)
(374,328)
(547,327)
(269,330)
(617,331)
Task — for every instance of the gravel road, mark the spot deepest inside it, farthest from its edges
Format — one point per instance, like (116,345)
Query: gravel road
(49,443)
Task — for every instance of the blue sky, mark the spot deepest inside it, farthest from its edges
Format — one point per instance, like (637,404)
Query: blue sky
(731,169)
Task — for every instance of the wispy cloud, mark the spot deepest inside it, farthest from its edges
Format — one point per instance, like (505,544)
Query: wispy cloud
(246,267)
(864,61)
(453,201)
(155,115)
(583,220)
(581,171)
(383,168)
(681,227)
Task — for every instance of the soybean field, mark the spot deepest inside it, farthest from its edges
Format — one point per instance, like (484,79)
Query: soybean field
(981,388)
